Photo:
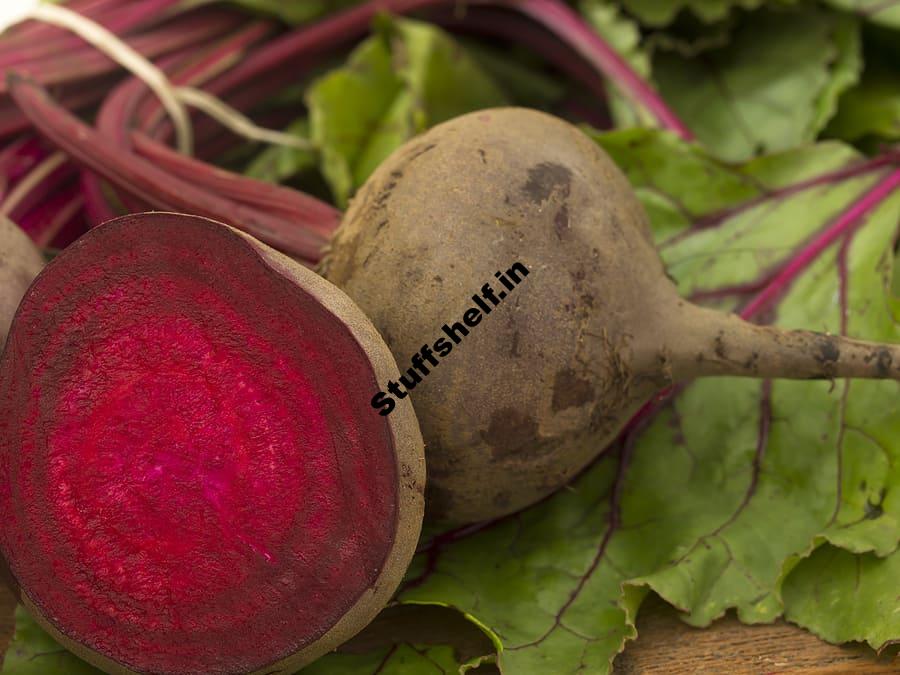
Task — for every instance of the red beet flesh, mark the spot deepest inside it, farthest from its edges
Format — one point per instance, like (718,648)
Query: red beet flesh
(190,471)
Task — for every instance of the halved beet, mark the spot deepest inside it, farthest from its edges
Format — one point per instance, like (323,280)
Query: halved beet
(192,478)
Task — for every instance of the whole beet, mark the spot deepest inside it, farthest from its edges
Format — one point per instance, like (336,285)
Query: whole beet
(20,263)
(552,375)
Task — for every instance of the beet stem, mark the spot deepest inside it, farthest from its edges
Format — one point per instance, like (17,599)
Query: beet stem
(49,39)
(145,181)
(129,58)
(569,27)
(35,177)
(554,15)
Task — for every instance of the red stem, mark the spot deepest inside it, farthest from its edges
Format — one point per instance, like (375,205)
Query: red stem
(554,15)
(112,121)
(96,206)
(74,97)
(127,104)
(38,30)
(81,63)
(121,21)
(844,224)
(257,194)
(571,28)
(17,159)
(44,222)
(521,30)
(200,69)
(153,185)
(43,190)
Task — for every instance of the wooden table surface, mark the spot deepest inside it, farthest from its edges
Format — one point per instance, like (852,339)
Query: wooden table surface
(667,646)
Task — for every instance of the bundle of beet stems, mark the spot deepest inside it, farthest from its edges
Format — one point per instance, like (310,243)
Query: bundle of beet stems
(55,163)
(111,108)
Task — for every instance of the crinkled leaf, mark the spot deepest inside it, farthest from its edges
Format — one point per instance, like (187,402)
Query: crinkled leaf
(662,12)
(843,597)
(884,12)
(33,652)
(691,39)
(407,77)
(872,108)
(397,660)
(733,478)
(773,87)
(624,36)
(845,72)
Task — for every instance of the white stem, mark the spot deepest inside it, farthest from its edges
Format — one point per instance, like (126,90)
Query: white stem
(28,183)
(237,122)
(130,59)
(173,98)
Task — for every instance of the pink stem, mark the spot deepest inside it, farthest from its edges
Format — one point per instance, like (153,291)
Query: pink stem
(217,59)
(848,221)
(37,30)
(74,97)
(43,190)
(521,30)
(571,28)
(554,15)
(264,196)
(81,63)
(46,220)
(96,206)
(153,185)
(120,21)
(123,108)
(17,159)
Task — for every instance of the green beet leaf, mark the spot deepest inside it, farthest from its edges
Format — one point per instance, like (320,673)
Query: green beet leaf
(884,12)
(402,659)
(623,35)
(295,12)
(33,652)
(407,77)
(774,86)
(279,163)
(843,597)
(872,108)
(658,13)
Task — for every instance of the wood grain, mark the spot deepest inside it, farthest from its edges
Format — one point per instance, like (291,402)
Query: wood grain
(667,646)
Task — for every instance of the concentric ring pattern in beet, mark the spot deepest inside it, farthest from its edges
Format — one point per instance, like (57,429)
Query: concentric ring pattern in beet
(191,476)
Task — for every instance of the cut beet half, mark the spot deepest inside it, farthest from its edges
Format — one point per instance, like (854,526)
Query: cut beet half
(192,477)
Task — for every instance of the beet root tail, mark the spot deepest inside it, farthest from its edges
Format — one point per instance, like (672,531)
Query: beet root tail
(712,343)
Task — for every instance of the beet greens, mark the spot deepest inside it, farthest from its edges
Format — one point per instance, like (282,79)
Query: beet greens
(761,142)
